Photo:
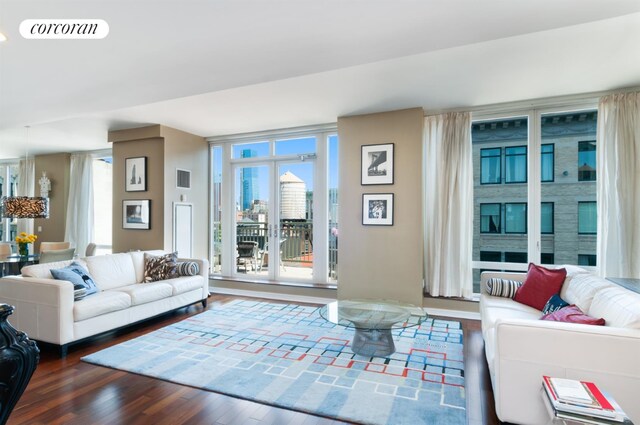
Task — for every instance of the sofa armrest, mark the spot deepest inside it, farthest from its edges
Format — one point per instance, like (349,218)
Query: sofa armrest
(525,350)
(203,265)
(44,307)
(485,276)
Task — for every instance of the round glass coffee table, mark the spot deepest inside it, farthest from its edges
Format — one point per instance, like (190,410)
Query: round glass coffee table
(373,321)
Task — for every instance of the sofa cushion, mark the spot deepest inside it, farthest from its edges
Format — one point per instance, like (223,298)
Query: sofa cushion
(42,271)
(572,314)
(159,267)
(184,284)
(83,284)
(618,306)
(555,303)
(540,284)
(502,287)
(138,261)
(187,268)
(581,289)
(490,315)
(100,303)
(142,294)
(111,271)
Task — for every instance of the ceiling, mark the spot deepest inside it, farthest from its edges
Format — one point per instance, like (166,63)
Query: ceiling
(220,67)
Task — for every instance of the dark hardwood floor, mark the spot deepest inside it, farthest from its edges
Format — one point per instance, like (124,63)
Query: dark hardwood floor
(68,391)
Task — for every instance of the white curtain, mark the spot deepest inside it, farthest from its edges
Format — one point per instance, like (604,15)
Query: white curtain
(26,187)
(618,175)
(448,205)
(79,226)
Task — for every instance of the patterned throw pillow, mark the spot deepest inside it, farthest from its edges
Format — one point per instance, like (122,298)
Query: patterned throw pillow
(187,268)
(555,303)
(83,283)
(159,267)
(573,314)
(502,287)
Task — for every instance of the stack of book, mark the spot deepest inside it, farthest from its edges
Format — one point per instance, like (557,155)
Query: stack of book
(582,402)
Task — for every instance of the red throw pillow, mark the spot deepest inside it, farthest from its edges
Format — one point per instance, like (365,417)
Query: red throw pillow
(540,285)
(572,314)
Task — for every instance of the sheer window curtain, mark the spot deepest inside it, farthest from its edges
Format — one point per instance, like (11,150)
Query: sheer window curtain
(79,226)
(26,187)
(618,175)
(448,205)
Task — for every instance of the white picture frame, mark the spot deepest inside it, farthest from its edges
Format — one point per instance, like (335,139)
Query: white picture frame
(136,214)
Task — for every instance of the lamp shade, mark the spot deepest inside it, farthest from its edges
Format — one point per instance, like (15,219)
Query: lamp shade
(25,207)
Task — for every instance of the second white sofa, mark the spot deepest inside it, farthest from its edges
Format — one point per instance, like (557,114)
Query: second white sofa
(520,348)
(46,310)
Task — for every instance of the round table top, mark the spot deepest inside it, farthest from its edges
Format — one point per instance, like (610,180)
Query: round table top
(373,314)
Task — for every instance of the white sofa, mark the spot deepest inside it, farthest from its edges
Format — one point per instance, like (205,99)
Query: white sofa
(46,310)
(520,348)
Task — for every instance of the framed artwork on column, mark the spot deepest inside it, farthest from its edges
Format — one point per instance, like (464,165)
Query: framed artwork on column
(136,174)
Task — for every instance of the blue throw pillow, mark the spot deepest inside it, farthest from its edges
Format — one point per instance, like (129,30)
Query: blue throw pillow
(555,303)
(83,283)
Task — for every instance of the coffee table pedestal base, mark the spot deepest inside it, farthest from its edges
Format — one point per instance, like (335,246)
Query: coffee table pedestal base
(373,342)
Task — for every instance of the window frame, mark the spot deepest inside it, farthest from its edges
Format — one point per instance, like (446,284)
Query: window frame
(595,151)
(321,190)
(534,185)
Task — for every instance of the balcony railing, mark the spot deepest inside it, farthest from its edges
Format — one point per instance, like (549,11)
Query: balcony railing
(296,246)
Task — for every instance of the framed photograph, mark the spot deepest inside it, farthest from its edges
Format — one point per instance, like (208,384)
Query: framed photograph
(136,174)
(377,164)
(136,214)
(377,209)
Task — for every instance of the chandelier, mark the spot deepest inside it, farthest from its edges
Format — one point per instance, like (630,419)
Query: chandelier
(25,207)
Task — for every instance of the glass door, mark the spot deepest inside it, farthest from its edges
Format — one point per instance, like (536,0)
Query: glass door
(252,228)
(274,230)
(294,248)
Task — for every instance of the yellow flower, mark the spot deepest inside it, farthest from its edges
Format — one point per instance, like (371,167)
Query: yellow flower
(23,234)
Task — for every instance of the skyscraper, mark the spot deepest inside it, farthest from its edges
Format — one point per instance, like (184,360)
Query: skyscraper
(249,179)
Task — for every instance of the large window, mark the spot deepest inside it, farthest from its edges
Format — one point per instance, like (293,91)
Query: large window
(550,217)
(102,199)
(274,208)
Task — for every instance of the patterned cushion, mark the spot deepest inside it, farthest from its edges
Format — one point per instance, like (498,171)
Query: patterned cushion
(187,268)
(502,287)
(159,267)
(555,303)
(83,283)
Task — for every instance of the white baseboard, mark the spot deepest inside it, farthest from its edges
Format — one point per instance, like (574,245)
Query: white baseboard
(270,295)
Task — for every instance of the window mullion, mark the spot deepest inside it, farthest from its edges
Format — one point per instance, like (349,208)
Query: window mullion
(534,195)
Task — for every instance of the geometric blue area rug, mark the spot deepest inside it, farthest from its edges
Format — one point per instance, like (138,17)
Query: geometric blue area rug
(288,356)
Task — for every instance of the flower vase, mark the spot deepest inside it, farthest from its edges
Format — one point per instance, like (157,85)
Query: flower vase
(23,249)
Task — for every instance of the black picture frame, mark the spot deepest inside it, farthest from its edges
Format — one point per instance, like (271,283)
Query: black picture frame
(377,209)
(376,164)
(136,214)
(135,176)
